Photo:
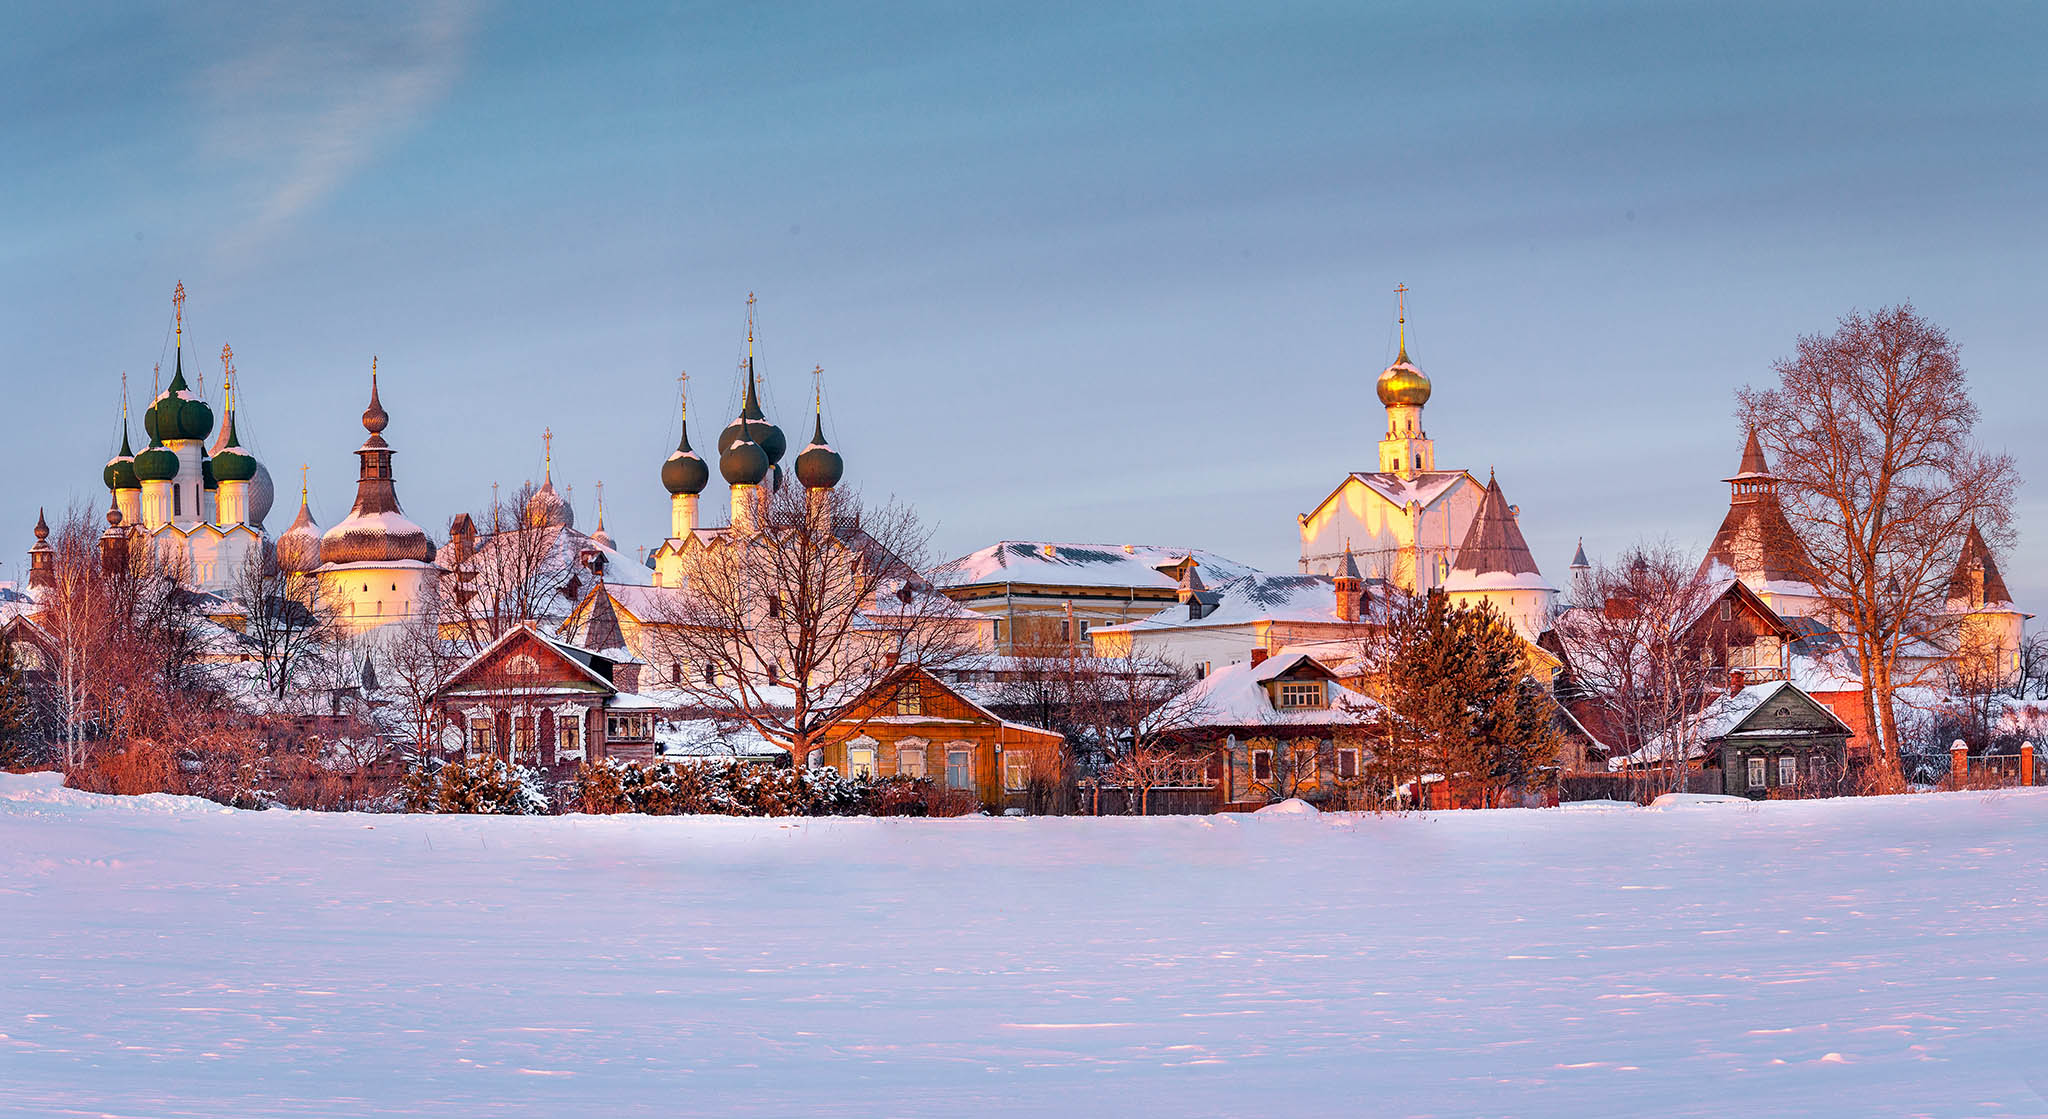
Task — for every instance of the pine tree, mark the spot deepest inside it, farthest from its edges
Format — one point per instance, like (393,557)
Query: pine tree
(1463,702)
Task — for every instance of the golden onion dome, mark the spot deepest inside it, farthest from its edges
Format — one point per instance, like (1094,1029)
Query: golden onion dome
(1402,383)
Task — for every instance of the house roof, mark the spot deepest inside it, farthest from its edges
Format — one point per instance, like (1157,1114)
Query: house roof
(1236,696)
(585,661)
(1257,597)
(1109,566)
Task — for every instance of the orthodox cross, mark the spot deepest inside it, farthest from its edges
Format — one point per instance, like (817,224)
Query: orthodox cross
(683,392)
(303,467)
(178,301)
(547,438)
(818,386)
(227,374)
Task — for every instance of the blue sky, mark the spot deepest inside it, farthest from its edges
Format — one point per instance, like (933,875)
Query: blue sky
(1081,272)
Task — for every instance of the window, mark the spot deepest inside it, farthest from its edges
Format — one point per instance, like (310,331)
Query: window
(568,736)
(1727,609)
(480,735)
(1202,670)
(774,605)
(1084,623)
(910,761)
(1262,765)
(1756,773)
(1066,629)
(1016,769)
(960,769)
(177,501)
(909,700)
(675,672)
(860,761)
(996,630)
(710,674)
(1347,764)
(1788,770)
(627,727)
(1300,693)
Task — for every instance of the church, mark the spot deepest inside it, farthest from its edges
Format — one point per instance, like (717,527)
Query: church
(1408,524)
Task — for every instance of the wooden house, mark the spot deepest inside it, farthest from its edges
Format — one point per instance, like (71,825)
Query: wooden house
(912,724)
(545,702)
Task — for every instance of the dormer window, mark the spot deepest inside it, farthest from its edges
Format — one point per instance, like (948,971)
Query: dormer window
(1296,694)
(909,700)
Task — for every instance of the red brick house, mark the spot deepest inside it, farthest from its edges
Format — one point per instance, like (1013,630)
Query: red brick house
(911,724)
(547,702)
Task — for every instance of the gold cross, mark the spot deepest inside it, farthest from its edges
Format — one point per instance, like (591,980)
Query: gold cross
(548,437)
(303,467)
(178,301)
(1401,295)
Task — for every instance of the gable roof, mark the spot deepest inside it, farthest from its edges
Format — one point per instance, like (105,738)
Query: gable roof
(584,662)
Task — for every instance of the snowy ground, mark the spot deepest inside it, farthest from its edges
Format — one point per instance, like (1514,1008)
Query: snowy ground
(161,957)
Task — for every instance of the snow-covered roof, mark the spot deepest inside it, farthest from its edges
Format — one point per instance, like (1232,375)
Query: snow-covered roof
(1423,487)
(1236,696)
(1043,563)
(1724,717)
(1258,596)
(1493,555)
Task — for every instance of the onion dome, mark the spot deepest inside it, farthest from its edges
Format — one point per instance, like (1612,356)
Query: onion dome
(819,467)
(1403,383)
(770,438)
(601,538)
(177,413)
(298,548)
(685,470)
(262,495)
(743,462)
(546,507)
(156,463)
(231,463)
(42,529)
(120,472)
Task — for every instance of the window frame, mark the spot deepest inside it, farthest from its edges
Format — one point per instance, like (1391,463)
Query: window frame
(956,754)
(1344,754)
(1016,770)
(909,698)
(1788,770)
(569,736)
(860,762)
(1316,691)
(1262,755)
(919,750)
(1757,770)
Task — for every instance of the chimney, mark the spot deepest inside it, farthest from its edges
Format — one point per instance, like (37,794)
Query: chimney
(1259,655)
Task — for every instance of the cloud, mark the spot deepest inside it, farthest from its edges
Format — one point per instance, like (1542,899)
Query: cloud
(312,97)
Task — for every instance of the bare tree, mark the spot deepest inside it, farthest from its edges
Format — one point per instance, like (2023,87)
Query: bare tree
(784,626)
(88,612)
(1872,428)
(506,571)
(1642,655)
(419,664)
(2029,679)
(290,623)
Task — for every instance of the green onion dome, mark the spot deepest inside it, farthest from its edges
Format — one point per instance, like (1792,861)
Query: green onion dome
(772,442)
(685,471)
(744,463)
(231,463)
(120,472)
(819,467)
(178,414)
(156,464)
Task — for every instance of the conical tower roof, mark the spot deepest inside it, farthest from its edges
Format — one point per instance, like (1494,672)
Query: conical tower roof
(1963,585)
(1494,555)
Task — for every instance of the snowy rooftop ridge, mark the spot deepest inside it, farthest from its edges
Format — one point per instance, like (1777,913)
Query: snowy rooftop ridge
(1050,563)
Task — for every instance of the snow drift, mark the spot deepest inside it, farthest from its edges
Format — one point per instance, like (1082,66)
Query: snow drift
(160,956)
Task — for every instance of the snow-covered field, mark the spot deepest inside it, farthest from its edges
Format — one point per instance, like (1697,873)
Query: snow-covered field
(163,957)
